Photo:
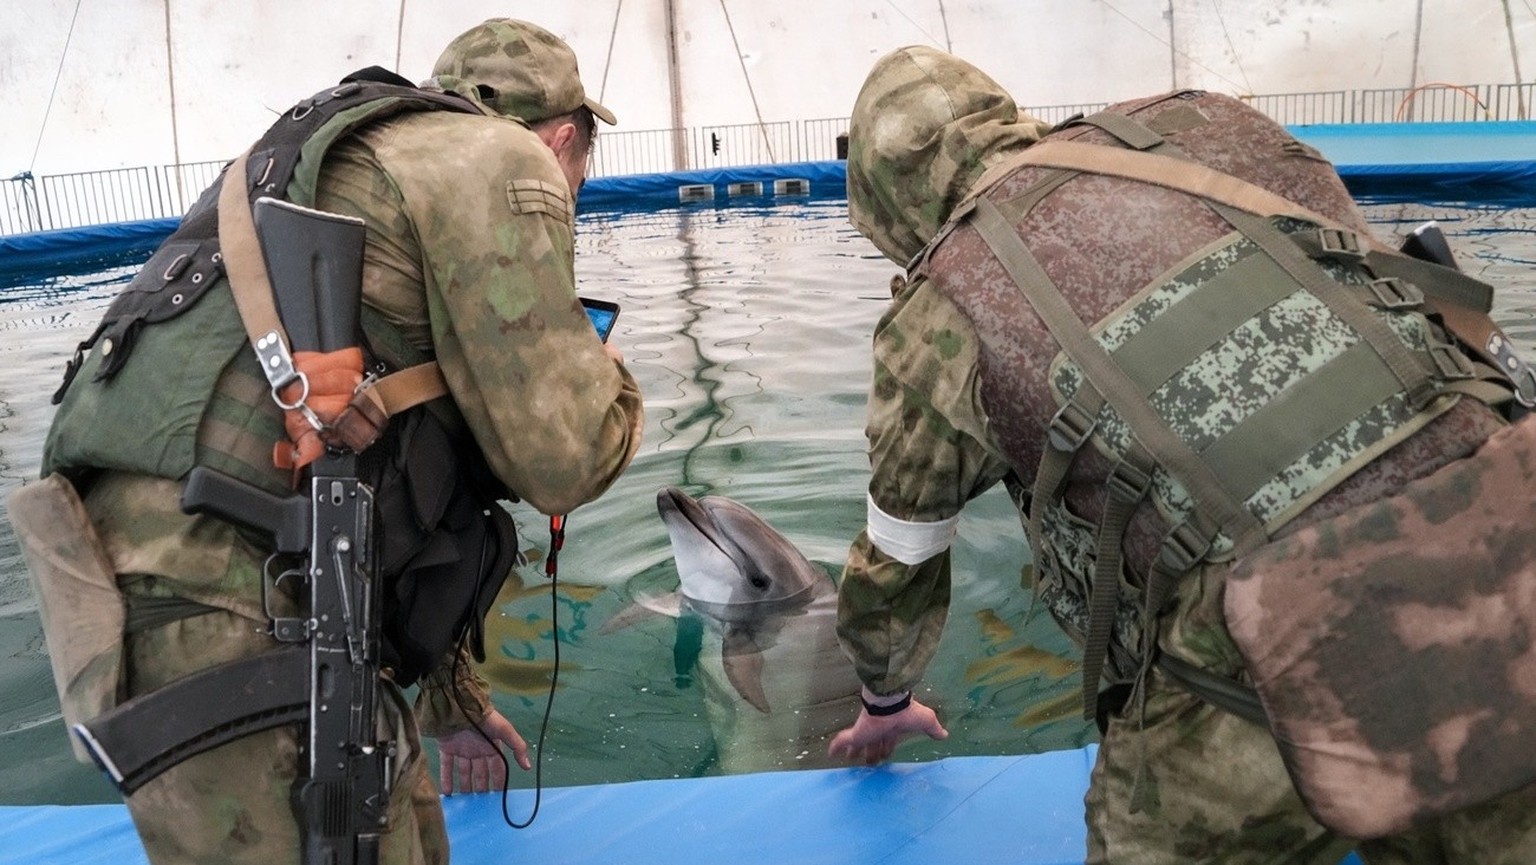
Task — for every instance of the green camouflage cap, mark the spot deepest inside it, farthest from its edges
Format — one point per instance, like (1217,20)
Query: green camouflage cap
(515,69)
(926,125)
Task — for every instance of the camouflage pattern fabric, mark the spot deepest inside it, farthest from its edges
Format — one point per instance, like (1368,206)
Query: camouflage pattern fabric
(1207,786)
(515,69)
(470,255)
(920,137)
(1184,782)
(233,804)
(1438,584)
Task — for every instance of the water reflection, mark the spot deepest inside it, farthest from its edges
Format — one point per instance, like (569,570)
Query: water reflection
(748,331)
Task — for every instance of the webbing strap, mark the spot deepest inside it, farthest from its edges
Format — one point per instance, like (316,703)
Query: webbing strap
(1099,368)
(1126,486)
(1412,372)
(1435,280)
(252,290)
(1068,432)
(1019,206)
(1483,388)
(243,262)
(1129,132)
(408,387)
(1166,171)
(1460,302)
(1201,320)
(1286,427)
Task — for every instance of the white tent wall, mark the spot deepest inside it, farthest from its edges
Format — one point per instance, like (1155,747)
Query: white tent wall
(99,84)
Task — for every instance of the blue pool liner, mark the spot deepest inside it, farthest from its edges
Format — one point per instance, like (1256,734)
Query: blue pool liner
(1475,161)
(1012,810)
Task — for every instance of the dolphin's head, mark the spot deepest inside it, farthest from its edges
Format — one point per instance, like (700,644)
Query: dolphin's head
(731,563)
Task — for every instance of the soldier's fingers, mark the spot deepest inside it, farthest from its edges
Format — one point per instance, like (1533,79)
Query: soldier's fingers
(464,773)
(480,775)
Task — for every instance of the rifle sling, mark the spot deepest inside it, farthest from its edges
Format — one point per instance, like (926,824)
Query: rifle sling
(252,290)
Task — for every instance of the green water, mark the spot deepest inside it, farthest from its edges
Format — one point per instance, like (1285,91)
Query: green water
(748,330)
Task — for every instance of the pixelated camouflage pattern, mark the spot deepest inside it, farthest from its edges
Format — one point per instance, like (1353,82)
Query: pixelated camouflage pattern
(1102,257)
(1246,371)
(1436,584)
(1068,557)
(1164,789)
(923,131)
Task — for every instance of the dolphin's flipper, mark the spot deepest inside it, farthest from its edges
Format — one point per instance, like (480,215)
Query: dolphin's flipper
(645,607)
(743,660)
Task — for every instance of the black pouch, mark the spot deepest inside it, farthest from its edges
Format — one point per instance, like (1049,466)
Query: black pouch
(446,545)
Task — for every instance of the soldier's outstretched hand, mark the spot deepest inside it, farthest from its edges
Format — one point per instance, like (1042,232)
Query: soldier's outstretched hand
(872,738)
(476,764)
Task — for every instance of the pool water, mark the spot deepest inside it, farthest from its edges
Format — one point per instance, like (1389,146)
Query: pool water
(748,329)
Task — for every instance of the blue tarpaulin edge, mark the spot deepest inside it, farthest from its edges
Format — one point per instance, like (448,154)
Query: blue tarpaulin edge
(1468,160)
(1008,810)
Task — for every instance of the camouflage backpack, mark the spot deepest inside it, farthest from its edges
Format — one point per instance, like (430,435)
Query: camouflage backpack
(1234,390)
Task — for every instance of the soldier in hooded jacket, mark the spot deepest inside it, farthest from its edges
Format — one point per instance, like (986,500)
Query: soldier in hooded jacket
(469,218)
(966,384)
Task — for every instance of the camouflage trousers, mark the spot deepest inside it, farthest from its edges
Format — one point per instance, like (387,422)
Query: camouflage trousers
(1179,781)
(231,805)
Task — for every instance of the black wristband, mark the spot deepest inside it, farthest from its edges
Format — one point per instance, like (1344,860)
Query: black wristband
(881,711)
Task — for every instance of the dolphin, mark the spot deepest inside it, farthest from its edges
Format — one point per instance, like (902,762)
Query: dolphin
(767,603)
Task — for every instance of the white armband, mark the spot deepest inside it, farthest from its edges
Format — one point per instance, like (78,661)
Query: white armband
(907,542)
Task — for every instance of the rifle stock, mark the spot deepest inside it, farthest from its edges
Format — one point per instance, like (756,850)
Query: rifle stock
(315,263)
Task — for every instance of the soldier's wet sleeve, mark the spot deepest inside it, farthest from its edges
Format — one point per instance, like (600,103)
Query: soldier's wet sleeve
(928,457)
(557,419)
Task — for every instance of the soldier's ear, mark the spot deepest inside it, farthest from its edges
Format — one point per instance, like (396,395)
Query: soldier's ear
(561,138)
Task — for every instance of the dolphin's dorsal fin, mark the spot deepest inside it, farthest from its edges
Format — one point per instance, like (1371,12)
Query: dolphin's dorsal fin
(743,661)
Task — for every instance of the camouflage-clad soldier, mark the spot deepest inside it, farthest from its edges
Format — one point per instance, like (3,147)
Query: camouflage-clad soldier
(469,216)
(967,382)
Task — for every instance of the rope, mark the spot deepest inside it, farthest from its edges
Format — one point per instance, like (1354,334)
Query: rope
(1237,59)
(1402,105)
(613,36)
(1170,46)
(931,38)
(55,91)
(761,127)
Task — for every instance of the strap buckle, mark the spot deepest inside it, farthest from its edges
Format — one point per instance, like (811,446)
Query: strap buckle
(1451,364)
(1339,243)
(1184,546)
(1070,427)
(1392,293)
(1128,481)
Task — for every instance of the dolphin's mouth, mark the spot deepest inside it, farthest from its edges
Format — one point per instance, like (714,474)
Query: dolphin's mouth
(673,501)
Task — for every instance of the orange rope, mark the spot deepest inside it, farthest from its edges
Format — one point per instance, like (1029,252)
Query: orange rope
(1398,115)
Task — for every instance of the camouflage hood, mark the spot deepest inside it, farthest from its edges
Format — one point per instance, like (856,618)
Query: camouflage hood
(925,126)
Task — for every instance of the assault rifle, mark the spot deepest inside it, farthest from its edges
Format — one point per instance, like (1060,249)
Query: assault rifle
(341,797)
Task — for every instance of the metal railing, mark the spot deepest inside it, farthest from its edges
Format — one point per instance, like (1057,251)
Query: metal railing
(29,203)
(52,201)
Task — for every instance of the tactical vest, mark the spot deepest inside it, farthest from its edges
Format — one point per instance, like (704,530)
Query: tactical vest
(1228,391)
(173,384)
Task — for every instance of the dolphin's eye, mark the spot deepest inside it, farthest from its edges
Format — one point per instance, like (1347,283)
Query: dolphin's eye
(759,582)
